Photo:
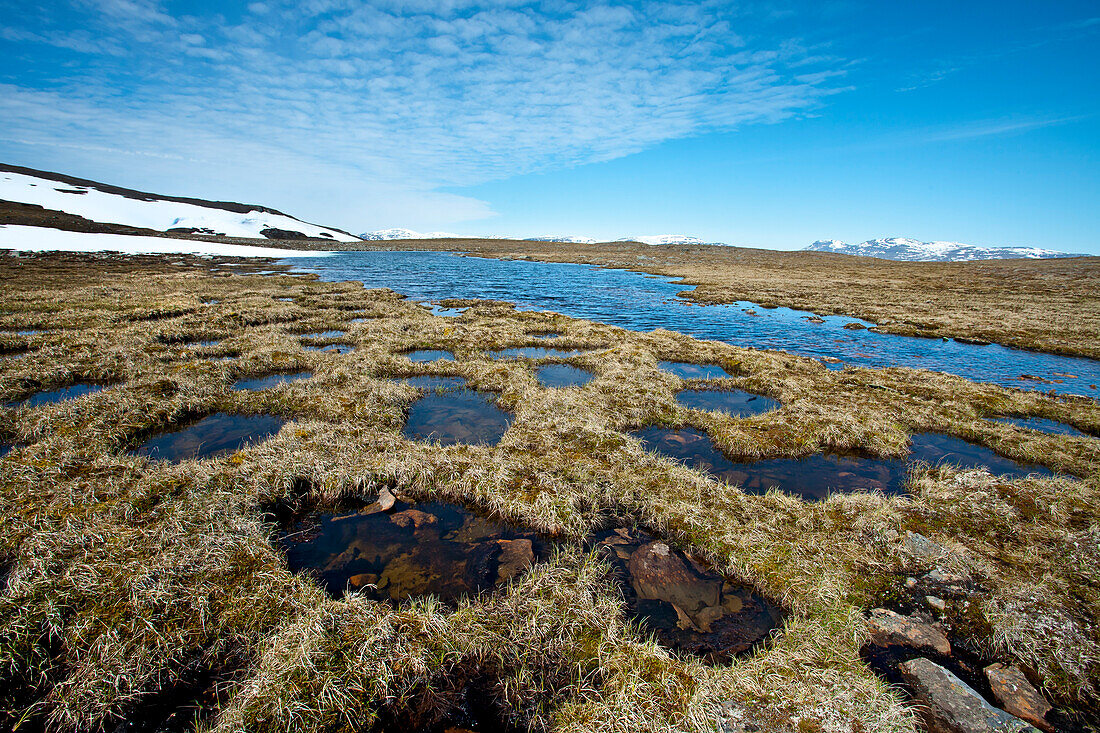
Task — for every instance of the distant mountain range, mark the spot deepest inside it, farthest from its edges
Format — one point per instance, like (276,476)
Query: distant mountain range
(913,250)
(400,233)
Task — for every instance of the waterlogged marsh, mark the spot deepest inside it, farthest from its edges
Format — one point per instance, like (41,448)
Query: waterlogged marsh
(1043,425)
(643,303)
(815,477)
(534,352)
(213,435)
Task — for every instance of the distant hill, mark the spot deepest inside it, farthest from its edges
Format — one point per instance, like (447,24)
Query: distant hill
(399,233)
(913,250)
(40,198)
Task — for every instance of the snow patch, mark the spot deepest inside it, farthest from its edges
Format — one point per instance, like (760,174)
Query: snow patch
(41,239)
(159,215)
(914,250)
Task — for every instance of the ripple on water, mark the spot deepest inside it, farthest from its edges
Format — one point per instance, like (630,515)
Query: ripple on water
(562,375)
(814,477)
(270,380)
(733,402)
(212,435)
(452,417)
(71,392)
(684,370)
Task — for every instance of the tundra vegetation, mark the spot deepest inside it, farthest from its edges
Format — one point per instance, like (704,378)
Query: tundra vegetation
(135,588)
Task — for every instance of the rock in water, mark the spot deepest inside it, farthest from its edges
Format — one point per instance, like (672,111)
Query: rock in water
(952,706)
(893,629)
(515,557)
(1017,696)
(658,573)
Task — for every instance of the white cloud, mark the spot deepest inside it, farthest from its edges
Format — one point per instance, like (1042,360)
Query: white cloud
(360,108)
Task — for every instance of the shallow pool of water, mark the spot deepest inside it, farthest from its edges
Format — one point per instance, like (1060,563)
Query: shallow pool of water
(562,375)
(635,301)
(60,394)
(430,549)
(271,380)
(684,370)
(1043,425)
(438,310)
(457,416)
(814,477)
(212,435)
(534,352)
(432,383)
(732,402)
(422,356)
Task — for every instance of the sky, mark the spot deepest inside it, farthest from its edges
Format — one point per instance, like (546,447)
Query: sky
(764,124)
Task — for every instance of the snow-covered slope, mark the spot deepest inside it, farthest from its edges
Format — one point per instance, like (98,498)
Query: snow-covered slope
(44,239)
(399,233)
(112,205)
(567,238)
(913,250)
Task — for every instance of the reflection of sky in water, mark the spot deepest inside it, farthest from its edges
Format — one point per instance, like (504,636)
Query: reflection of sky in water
(213,435)
(60,395)
(452,417)
(638,302)
(422,356)
(1043,425)
(562,375)
(534,352)
(694,371)
(814,477)
(733,402)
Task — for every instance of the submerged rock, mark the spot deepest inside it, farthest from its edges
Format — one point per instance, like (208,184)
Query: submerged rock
(893,629)
(515,557)
(949,705)
(1017,696)
(657,573)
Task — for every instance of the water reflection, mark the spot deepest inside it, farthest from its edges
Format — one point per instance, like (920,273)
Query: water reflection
(562,375)
(684,370)
(732,402)
(452,417)
(814,477)
(634,301)
(213,435)
(1043,425)
(60,394)
(271,380)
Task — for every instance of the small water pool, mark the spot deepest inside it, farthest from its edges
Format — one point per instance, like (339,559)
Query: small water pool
(684,370)
(422,356)
(49,397)
(732,402)
(457,416)
(1043,425)
(814,477)
(212,435)
(331,348)
(534,352)
(562,375)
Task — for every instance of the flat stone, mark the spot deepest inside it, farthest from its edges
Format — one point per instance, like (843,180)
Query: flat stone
(386,499)
(942,577)
(923,548)
(1017,696)
(659,573)
(893,629)
(412,517)
(936,602)
(515,557)
(949,705)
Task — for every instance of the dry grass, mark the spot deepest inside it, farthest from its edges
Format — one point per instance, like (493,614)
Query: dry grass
(125,577)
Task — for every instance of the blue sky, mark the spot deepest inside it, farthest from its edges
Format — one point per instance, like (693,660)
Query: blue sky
(760,124)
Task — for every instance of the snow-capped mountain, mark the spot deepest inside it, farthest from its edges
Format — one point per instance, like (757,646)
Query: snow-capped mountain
(399,233)
(913,250)
(106,204)
(569,239)
(665,239)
